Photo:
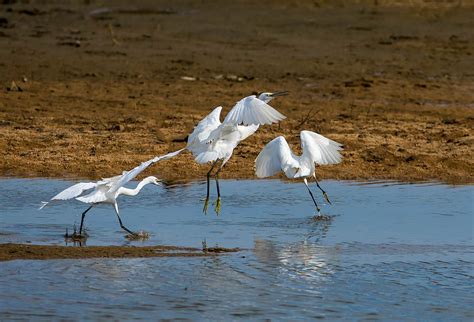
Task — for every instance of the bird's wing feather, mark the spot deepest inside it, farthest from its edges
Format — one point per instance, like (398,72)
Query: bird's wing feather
(129,175)
(109,181)
(251,110)
(246,131)
(320,149)
(74,191)
(95,196)
(71,192)
(205,127)
(206,156)
(274,157)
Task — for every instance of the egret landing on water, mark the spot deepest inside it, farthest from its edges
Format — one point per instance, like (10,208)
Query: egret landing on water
(214,141)
(276,156)
(106,191)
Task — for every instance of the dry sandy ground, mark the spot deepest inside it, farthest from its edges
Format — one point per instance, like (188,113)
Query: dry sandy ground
(98,85)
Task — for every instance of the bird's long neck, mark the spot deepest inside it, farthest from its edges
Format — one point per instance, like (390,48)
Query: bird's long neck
(133,192)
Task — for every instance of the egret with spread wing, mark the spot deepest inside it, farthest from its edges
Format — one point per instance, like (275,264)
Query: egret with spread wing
(276,156)
(214,141)
(106,191)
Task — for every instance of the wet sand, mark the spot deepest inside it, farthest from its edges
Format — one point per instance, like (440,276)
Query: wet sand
(93,88)
(24,251)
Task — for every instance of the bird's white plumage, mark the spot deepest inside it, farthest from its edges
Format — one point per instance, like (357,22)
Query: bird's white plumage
(212,140)
(74,191)
(98,195)
(222,142)
(129,175)
(277,156)
(106,189)
(205,127)
(320,149)
(251,110)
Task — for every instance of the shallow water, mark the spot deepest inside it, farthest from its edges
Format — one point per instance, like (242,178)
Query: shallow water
(391,251)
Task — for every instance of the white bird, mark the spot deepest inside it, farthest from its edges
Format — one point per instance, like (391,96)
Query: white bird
(276,156)
(107,190)
(214,141)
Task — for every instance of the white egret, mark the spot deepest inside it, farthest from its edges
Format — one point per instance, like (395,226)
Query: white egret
(277,156)
(214,141)
(106,191)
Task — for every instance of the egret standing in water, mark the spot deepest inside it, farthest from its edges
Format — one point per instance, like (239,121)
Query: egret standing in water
(214,141)
(276,156)
(106,191)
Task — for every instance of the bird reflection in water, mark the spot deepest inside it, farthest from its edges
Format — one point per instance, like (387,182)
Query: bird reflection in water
(304,259)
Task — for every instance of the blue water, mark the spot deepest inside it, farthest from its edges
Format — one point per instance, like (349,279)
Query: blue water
(391,252)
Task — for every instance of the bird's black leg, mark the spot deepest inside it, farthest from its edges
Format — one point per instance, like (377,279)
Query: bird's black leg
(217,209)
(206,202)
(314,200)
(82,219)
(121,224)
(324,192)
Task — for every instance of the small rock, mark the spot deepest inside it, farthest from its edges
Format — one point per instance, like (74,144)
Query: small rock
(75,43)
(117,127)
(449,120)
(3,22)
(188,78)
(234,78)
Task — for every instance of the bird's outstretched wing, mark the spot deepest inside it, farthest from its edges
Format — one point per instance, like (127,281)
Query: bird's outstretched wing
(274,157)
(320,149)
(129,175)
(71,192)
(205,127)
(74,191)
(251,110)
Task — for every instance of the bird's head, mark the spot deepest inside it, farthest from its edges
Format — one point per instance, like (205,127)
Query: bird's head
(154,180)
(267,96)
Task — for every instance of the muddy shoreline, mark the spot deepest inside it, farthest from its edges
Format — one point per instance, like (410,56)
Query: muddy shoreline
(89,93)
(42,252)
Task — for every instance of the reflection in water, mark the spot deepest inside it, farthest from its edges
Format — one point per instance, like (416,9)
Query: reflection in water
(303,259)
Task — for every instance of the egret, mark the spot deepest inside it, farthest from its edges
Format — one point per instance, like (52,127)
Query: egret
(214,141)
(277,156)
(107,190)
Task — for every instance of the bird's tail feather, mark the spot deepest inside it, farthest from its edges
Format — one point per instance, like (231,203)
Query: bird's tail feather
(43,204)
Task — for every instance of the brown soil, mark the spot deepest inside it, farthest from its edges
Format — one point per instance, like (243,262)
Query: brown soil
(23,251)
(96,92)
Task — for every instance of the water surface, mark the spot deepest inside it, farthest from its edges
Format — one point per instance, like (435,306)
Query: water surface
(391,251)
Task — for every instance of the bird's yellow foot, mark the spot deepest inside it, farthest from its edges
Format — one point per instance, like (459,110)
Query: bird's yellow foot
(326,197)
(217,209)
(206,204)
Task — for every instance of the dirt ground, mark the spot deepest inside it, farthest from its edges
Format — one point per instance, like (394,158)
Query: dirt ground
(90,88)
(24,251)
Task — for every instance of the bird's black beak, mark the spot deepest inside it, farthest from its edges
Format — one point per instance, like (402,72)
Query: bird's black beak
(283,93)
